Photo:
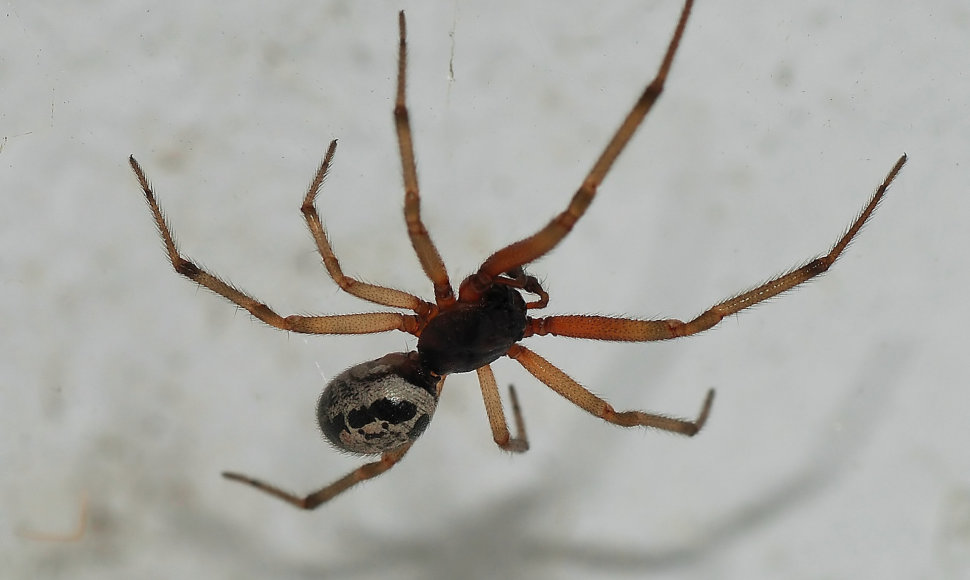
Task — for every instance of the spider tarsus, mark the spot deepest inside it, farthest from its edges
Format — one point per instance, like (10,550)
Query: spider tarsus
(289,498)
(139,174)
(705,412)
(236,477)
(519,443)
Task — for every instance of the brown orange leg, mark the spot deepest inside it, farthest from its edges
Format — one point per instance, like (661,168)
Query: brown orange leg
(369,292)
(315,499)
(431,262)
(529,249)
(335,324)
(496,416)
(624,329)
(563,384)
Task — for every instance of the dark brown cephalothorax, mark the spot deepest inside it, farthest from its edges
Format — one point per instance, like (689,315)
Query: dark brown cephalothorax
(469,336)
(382,406)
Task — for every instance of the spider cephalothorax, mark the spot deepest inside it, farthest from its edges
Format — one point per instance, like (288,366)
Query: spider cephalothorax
(383,405)
(469,336)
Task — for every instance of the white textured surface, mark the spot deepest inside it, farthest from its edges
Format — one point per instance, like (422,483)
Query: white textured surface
(837,446)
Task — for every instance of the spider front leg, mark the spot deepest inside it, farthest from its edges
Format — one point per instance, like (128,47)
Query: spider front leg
(566,386)
(534,247)
(335,324)
(317,498)
(431,262)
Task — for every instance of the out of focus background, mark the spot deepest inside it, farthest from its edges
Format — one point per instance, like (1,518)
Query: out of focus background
(837,444)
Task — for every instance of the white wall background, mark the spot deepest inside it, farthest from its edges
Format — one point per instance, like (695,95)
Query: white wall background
(837,445)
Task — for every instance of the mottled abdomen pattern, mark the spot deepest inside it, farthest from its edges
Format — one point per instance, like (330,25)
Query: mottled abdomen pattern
(378,405)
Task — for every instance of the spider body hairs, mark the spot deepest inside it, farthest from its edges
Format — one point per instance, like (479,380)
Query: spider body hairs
(382,406)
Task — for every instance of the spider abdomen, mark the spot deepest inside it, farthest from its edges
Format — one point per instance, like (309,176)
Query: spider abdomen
(378,405)
(468,336)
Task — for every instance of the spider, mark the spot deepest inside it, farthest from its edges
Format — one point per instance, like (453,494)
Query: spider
(380,407)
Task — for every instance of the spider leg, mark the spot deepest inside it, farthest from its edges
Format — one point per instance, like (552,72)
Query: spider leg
(369,292)
(321,496)
(566,386)
(624,329)
(535,246)
(496,416)
(431,262)
(335,324)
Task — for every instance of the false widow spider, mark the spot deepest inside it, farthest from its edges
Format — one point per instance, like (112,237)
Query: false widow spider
(382,406)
